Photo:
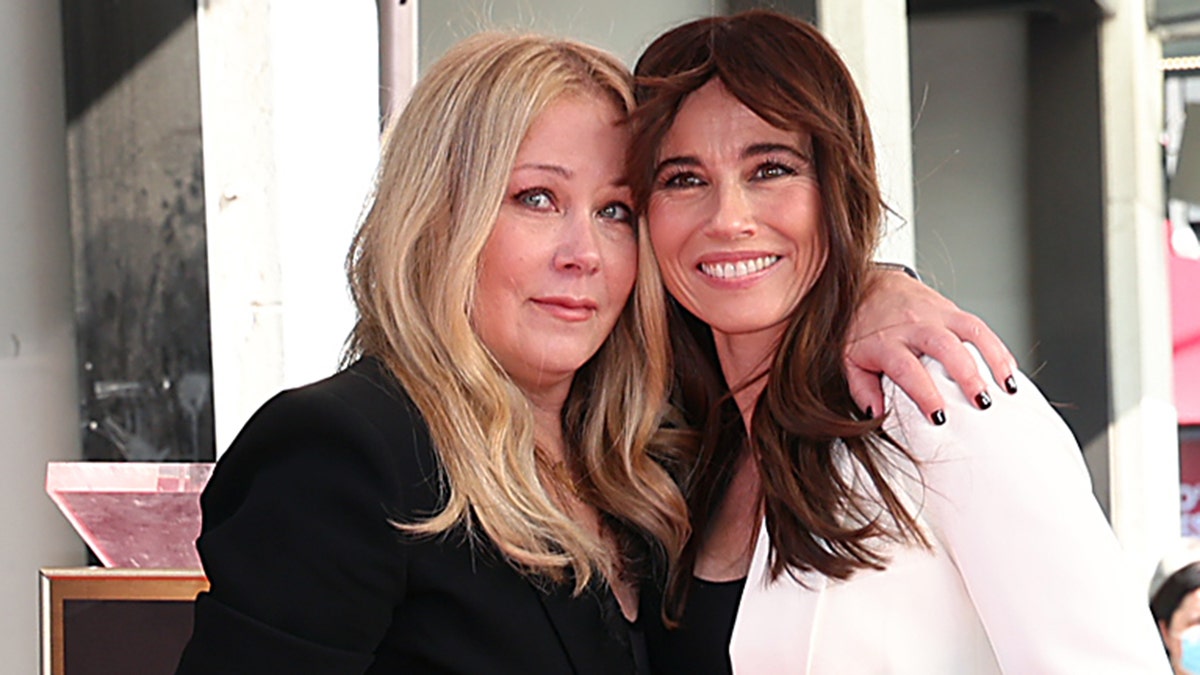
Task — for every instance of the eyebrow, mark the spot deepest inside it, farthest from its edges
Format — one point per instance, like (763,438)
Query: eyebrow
(621,182)
(552,168)
(768,148)
(754,150)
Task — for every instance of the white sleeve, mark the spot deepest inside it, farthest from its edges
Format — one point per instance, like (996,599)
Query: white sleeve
(1008,495)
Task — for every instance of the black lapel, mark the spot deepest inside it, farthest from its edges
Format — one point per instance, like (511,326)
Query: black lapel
(595,645)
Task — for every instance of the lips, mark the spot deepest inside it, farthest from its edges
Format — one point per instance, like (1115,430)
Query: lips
(568,308)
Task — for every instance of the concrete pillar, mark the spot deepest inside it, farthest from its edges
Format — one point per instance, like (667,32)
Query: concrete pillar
(1143,446)
(872,36)
(290,105)
(39,414)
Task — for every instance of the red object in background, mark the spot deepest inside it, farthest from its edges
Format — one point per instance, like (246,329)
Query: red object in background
(1185,333)
(1189,480)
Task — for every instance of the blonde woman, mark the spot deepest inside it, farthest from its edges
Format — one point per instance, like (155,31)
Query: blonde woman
(475,492)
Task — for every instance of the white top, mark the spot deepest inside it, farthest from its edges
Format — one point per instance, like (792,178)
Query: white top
(1025,575)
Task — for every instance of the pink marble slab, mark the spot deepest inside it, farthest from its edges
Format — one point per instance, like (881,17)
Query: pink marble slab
(133,514)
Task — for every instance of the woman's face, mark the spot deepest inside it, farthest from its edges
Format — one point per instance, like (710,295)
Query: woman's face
(561,260)
(735,215)
(1186,616)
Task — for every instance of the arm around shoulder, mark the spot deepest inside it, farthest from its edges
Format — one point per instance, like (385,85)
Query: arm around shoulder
(1009,497)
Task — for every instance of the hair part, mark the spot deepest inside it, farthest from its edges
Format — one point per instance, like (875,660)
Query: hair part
(808,436)
(413,268)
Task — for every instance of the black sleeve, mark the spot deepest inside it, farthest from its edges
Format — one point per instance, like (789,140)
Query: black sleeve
(305,567)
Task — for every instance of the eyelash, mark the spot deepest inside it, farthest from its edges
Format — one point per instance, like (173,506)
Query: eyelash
(627,217)
(672,180)
(676,180)
(784,168)
(522,197)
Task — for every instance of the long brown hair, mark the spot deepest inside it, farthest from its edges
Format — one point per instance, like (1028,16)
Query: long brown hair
(808,436)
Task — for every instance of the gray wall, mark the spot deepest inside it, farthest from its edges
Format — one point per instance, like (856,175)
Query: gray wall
(38,416)
(969,126)
(1009,196)
(623,27)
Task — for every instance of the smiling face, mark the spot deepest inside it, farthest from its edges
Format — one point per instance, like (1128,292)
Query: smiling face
(560,263)
(735,218)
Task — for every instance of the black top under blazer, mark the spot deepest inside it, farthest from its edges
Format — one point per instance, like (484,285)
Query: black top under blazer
(309,576)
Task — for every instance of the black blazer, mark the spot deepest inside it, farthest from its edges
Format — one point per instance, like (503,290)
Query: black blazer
(309,576)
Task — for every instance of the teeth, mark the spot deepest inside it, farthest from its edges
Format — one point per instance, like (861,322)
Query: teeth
(738,269)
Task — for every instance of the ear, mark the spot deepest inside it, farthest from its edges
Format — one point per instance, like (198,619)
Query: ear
(1163,632)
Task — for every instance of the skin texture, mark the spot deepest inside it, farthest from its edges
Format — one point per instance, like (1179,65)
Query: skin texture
(899,310)
(1186,616)
(561,261)
(735,222)
(558,268)
(728,202)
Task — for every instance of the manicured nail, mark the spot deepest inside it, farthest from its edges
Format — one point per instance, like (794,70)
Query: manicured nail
(1010,384)
(938,417)
(983,400)
(870,412)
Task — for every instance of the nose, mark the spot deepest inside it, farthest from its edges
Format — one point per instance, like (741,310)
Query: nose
(732,214)
(578,250)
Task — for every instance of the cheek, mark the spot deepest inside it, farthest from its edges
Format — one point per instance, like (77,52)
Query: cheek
(664,238)
(621,265)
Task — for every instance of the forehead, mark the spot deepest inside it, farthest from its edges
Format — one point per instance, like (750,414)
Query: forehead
(714,117)
(578,118)
(1189,607)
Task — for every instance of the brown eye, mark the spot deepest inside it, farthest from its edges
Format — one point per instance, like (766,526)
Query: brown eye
(773,170)
(683,179)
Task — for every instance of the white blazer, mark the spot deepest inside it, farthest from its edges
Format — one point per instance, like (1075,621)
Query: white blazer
(1025,576)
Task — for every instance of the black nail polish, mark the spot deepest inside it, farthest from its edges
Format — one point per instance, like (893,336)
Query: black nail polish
(869,412)
(983,400)
(938,417)
(1010,384)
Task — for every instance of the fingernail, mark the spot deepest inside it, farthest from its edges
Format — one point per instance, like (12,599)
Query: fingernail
(983,400)
(870,412)
(1010,384)
(938,417)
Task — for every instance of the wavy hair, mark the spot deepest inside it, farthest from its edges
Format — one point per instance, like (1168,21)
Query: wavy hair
(805,425)
(413,269)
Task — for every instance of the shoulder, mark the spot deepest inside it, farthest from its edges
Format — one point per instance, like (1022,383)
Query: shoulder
(358,425)
(1016,425)
(363,398)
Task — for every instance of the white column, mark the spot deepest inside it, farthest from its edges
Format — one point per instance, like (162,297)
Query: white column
(1143,440)
(290,103)
(39,411)
(872,37)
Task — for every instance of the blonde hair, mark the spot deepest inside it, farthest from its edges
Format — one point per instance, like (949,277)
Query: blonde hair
(413,268)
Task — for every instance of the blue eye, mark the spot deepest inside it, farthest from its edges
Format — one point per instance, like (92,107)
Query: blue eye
(617,211)
(537,198)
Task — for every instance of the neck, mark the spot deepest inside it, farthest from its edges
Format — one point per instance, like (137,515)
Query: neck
(745,362)
(547,407)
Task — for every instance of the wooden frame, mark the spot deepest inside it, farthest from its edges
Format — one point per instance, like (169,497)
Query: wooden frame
(95,588)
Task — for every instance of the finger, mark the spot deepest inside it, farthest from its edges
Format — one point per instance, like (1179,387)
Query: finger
(910,375)
(954,355)
(995,353)
(866,389)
